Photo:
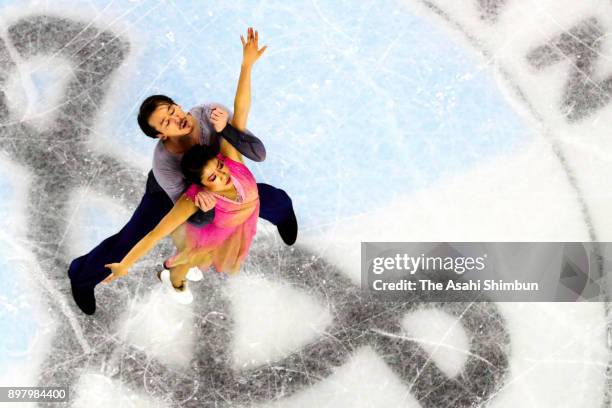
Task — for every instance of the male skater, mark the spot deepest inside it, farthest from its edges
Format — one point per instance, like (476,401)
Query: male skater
(161,118)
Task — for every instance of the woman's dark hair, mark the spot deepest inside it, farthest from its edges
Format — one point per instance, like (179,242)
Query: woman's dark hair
(194,161)
(147,107)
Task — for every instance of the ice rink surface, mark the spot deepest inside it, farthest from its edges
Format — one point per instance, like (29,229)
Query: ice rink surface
(415,120)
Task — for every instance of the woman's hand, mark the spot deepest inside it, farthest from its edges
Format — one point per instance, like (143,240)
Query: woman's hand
(250,47)
(205,200)
(118,270)
(219,118)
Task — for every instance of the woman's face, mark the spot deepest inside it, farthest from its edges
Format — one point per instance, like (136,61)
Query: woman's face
(215,176)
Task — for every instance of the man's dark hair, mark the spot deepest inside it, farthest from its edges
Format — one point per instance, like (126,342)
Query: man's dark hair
(147,107)
(194,161)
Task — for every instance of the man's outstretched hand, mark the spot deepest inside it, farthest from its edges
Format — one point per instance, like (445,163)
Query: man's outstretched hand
(250,48)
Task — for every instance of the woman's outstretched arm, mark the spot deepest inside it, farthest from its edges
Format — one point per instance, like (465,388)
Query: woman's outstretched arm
(242,101)
(181,211)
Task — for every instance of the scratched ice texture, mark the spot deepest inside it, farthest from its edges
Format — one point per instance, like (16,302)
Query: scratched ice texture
(416,120)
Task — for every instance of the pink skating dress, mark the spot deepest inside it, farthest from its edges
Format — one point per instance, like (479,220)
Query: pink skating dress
(225,242)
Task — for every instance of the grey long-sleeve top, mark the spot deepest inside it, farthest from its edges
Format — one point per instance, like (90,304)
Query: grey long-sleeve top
(167,165)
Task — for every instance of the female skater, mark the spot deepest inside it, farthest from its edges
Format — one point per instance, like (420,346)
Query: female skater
(225,242)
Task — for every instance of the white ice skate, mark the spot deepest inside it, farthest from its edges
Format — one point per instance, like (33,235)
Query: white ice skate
(182,296)
(194,274)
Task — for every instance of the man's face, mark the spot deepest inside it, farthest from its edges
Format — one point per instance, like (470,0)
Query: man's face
(170,121)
